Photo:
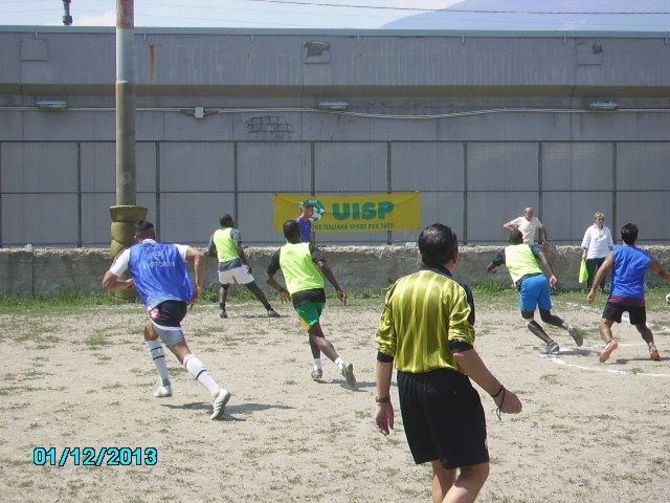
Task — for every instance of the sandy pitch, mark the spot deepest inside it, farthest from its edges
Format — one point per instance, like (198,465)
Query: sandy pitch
(588,432)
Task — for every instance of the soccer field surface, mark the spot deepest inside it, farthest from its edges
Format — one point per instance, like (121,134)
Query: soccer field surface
(589,432)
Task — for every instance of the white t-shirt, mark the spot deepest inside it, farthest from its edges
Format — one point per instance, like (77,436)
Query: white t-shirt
(120,265)
(597,242)
(528,229)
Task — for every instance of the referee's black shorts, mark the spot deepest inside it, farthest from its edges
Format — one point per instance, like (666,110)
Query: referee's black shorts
(443,418)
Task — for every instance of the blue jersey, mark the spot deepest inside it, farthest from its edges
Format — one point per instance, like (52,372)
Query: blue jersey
(630,266)
(305,226)
(159,273)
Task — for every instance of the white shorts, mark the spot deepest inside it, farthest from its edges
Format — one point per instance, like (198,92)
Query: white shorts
(170,336)
(239,275)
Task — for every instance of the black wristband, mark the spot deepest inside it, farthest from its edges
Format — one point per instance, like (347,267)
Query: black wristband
(498,392)
(382,399)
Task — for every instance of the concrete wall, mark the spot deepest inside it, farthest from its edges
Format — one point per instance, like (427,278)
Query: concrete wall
(358,268)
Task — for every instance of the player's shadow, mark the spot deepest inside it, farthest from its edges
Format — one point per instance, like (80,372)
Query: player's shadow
(577,352)
(623,361)
(242,408)
(360,385)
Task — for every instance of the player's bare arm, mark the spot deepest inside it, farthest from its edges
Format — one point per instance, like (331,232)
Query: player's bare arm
(243,257)
(113,283)
(603,271)
(510,226)
(197,260)
(328,273)
(657,269)
(553,280)
(283,292)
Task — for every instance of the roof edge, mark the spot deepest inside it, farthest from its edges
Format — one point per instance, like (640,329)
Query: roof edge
(346,32)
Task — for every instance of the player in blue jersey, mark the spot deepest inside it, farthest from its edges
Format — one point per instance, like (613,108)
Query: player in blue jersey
(159,275)
(628,264)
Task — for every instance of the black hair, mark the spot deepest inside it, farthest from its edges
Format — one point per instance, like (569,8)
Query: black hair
(291,231)
(226,221)
(308,205)
(629,233)
(438,245)
(515,237)
(144,228)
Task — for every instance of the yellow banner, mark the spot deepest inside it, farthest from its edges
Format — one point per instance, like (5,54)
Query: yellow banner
(400,211)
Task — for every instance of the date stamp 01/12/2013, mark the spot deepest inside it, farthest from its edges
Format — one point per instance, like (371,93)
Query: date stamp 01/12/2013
(92,456)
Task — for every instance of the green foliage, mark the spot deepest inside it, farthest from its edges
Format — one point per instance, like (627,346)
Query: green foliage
(489,286)
(66,299)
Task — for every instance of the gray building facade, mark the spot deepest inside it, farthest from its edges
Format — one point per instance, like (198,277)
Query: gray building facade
(482,124)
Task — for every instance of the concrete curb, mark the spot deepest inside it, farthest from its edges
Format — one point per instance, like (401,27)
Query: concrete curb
(358,268)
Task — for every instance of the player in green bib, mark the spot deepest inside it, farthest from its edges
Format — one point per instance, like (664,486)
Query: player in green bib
(523,263)
(226,244)
(304,269)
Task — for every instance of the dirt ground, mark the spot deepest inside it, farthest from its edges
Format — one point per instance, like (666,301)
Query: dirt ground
(589,432)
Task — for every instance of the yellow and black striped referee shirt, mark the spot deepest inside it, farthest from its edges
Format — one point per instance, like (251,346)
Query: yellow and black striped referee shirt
(425,314)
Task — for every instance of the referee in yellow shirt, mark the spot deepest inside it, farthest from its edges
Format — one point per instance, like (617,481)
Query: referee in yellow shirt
(427,329)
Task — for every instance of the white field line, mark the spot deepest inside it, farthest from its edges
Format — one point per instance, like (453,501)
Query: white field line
(603,368)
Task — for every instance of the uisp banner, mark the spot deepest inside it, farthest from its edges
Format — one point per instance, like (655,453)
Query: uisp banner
(400,211)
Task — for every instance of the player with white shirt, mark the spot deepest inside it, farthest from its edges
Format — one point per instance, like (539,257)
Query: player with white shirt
(530,226)
(158,272)
(597,243)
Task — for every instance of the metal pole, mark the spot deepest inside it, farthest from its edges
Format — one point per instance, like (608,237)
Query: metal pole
(125,103)
(67,18)
(125,214)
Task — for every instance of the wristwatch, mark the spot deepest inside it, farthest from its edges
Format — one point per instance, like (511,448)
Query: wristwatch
(382,399)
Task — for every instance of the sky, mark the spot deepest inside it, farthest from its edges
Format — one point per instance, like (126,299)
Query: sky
(218,13)
(649,15)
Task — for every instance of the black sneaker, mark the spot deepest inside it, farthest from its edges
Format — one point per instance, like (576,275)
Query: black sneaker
(273,314)
(223,314)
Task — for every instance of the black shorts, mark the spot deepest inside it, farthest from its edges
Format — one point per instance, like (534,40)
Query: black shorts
(169,313)
(613,312)
(443,418)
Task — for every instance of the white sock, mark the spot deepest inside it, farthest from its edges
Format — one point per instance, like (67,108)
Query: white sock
(340,362)
(200,374)
(317,363)
(158,356)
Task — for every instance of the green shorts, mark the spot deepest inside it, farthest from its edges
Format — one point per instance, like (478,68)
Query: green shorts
(309,313)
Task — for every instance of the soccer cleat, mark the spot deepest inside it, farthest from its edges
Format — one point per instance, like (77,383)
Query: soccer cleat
(317,374)
(550,349)
(163,391)
(219,404)
(223,314)
(348,373)
(576,335)
(653,353)
(608,350)
(273,314)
